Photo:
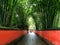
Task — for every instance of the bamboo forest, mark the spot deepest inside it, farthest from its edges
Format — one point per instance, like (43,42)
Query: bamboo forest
(30,14)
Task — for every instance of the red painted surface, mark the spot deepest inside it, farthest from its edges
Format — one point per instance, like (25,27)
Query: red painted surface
(52,36)
(8,36)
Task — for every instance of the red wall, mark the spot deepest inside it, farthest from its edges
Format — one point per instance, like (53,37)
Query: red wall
(8,36)
(52,36)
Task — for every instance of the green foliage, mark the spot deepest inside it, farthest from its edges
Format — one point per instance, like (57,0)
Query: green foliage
(15,13)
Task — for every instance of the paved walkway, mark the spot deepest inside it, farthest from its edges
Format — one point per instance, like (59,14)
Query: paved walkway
(32,39)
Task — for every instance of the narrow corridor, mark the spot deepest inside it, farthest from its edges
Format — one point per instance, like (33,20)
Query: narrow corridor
(32,39)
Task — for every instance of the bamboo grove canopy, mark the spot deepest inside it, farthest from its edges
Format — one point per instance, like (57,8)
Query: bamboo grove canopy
(45,14)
